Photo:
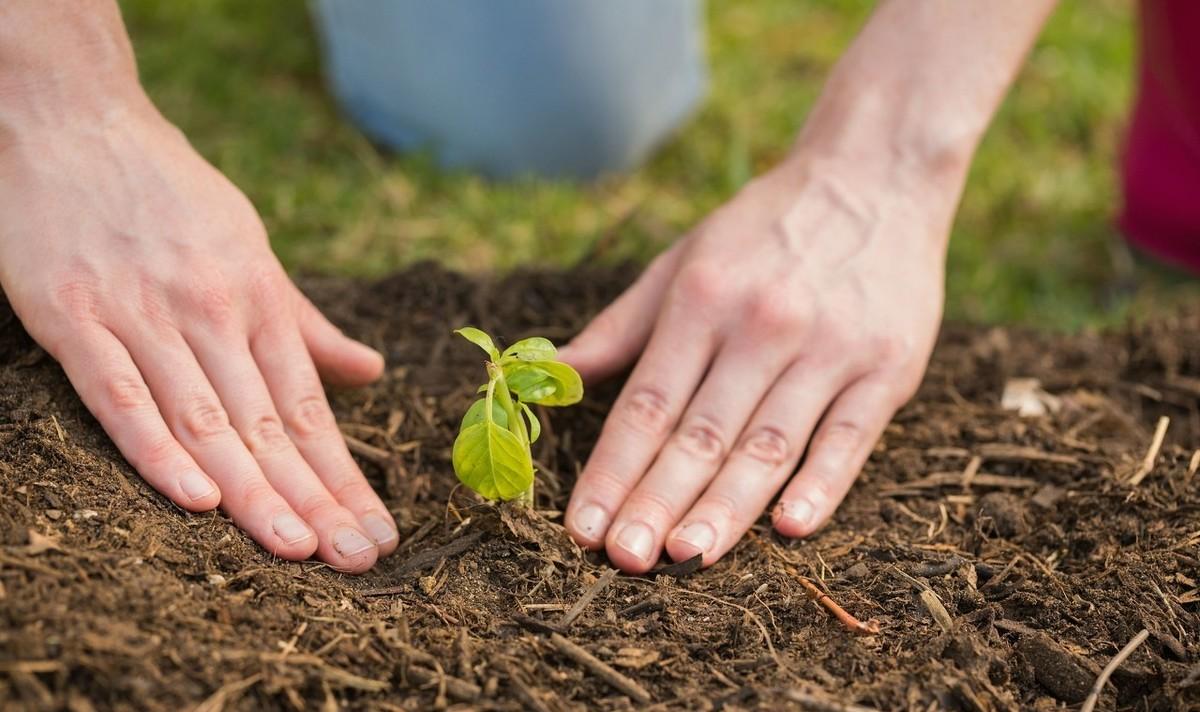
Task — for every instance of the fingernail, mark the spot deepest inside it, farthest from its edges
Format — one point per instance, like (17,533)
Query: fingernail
(797,511)
(700,535)
(290,528)
(195,485)
(379,528)
(349,542)
(592,521)
(637,539)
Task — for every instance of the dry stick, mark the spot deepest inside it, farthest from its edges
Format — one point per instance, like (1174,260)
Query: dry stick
(600,669)
(1090,703)
(1147,465)
(367,451)
(457,688)
(227,693)
(1194,465)
(524,692)
(856,626)
(582,604)
(812,703)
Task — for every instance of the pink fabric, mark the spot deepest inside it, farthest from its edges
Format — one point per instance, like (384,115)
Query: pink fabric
(1161,162)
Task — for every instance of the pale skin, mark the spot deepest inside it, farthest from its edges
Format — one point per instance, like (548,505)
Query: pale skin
(784,331)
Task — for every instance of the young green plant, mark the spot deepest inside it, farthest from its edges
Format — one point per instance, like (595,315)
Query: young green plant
(491,452)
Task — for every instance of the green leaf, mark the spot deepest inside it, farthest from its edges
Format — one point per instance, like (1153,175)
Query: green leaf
(475,414)
(492,461)
(544,382)
(480,339)
(535,426)
(532,349)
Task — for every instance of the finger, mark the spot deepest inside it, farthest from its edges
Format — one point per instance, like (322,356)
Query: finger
(739,378)
(844,440)
(641,419)
(104,375)
(761,463)
(613,339)
(340,360)
(234,374)
(296,390)
(199,421)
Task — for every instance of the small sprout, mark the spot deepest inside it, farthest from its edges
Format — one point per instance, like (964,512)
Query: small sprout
(491,452)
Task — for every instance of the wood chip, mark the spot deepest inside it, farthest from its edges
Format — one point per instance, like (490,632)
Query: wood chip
(934,605)
(581,605)
(600,669)
(1147,466)
(1194,464)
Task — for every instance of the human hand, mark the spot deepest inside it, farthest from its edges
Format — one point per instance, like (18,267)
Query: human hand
(794,321)
(149,277)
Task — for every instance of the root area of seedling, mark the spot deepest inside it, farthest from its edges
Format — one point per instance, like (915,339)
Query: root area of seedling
(986,560)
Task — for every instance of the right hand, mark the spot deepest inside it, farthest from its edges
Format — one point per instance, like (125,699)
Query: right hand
(149,277)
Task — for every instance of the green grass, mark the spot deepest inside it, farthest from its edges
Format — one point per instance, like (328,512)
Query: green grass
(1033,241)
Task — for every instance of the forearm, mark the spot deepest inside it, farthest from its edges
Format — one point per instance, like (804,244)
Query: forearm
(64,61)
(916,90)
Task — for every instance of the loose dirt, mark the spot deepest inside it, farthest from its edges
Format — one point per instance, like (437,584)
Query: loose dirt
(1004,558)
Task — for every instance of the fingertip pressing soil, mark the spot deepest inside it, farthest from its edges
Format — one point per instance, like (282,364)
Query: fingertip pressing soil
(1005,559)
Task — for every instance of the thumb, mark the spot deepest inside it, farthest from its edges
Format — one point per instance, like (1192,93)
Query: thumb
(340,360)
(615,336)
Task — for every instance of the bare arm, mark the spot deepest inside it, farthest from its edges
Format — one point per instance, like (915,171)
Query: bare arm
(797,318)
(149,277)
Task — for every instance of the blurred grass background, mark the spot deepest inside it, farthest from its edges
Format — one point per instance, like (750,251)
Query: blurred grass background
(1033,242)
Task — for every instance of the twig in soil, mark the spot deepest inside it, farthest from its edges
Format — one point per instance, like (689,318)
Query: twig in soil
(1089,704)
(600,669)
(227,693)
(854,625)
(939,568)
(427,559)
(679,569)
(646,605)
(1194,464)
(537,626)
(1160,432)
(526,694)
(367,451)
(812,703)
(460,690)
(931,601)
(582,604)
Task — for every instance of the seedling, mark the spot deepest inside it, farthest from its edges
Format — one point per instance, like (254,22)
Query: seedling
(491,452)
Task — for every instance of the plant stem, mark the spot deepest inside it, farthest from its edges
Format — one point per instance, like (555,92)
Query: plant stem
(516,421)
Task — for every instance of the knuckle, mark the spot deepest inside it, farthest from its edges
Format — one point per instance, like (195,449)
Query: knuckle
(699,283)
(605,483)
(127,394)
(212,302)
(203,420)
(839,438)
(891,348)
(256,489)
(723,506)
(265,436)
(310,416)
(317,506)
(267,287)
(646,410)
(157,453)
(652,505)
(76,297)
(351,489)
(768,445)
(702,439)
(772,313)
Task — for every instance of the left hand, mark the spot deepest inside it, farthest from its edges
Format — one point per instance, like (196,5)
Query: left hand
(799,316)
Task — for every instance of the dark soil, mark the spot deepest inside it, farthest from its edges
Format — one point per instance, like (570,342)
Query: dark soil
(1045,562)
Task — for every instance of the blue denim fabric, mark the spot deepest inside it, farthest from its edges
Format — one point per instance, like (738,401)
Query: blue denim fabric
(564,88)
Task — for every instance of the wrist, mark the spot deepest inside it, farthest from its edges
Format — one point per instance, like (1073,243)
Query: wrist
(63,65)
